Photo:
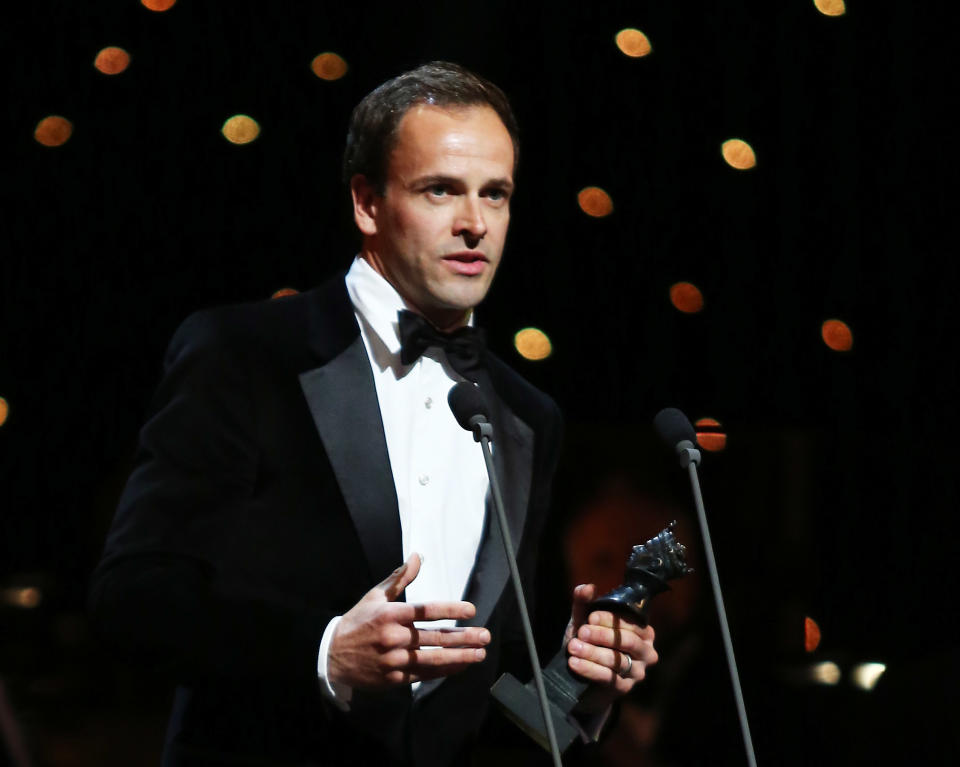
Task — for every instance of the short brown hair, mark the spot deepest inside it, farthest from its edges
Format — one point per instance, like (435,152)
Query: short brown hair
(373,124)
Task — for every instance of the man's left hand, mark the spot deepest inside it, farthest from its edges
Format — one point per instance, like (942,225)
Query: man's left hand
(612,651)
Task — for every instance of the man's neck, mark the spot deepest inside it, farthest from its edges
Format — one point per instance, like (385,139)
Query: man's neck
(444,320)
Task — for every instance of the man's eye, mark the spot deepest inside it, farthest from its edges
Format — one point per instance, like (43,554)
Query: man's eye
(495,194)
(437,190)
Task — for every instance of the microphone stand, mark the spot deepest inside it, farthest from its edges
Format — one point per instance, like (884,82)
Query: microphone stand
(689,458)
(483,433)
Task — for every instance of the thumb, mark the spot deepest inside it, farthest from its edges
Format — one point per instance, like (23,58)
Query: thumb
(393,585)
(582,596)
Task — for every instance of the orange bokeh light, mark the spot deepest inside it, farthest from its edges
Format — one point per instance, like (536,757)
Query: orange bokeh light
(53,131)
(283,292)
(686,297)
(532,344)
(158,5)
(595,202)
(837,335)
(4,411)
(240,129)
(633,43)
(710,434)
(112,60)
(811,634)
(738,154)
(831,7)
(329,66)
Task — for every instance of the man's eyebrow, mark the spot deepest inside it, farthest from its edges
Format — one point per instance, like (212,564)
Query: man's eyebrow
(501,182)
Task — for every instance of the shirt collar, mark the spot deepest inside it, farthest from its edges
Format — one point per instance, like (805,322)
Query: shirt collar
(377,302)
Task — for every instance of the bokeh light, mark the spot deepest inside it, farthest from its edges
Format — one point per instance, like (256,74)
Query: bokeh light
(284,292)
(811,634)
(866,675)
(831,7)
(686,297)
(826,672)
(53,131)
(595,202)
(710,434)
(112,60)
(26,597)
(837,335)
(240,129)
(328,66)
(738,154)
(4,411)
(633,43)
(158,5)
(533,344)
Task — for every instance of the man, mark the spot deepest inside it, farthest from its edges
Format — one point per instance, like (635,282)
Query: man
(299,450)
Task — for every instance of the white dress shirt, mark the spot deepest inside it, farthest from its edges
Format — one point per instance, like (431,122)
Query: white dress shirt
(438,469)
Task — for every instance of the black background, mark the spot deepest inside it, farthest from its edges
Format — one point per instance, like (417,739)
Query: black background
(836,497)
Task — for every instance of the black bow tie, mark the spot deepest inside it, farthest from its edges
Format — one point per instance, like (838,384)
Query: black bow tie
(464,347)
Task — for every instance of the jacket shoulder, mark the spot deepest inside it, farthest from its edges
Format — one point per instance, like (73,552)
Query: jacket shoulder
(530,403)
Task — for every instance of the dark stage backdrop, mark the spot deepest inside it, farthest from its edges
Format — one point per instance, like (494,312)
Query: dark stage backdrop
(836,495)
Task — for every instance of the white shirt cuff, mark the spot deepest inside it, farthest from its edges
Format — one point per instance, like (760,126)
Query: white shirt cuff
(336,693)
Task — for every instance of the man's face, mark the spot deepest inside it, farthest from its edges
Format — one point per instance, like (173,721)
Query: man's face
(438,231)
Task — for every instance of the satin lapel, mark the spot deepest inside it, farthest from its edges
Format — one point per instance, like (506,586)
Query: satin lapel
(513,460)
(343,401)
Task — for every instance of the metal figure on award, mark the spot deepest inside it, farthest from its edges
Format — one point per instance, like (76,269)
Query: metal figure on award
(649,568)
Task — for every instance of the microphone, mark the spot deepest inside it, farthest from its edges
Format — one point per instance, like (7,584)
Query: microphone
(470,409)
(676,431)
(674,427)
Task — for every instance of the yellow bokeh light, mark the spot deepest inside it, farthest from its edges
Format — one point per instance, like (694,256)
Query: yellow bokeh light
(112,60)
(240,129)
(284,292)
(328,66)
(595,202)
(826,672)
(633,43)
(739,154)
(532,344)
(53,131)
(866,675)
(831,7)
(686,297)
(158,5)
(4,411)
(837,335)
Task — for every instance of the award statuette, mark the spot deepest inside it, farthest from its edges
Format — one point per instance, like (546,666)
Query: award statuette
(649,568)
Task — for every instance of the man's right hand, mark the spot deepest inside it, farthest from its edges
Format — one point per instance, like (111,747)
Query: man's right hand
(376,644)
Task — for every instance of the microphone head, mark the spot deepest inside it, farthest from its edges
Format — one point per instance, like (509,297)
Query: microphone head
(674,427)
(467,402)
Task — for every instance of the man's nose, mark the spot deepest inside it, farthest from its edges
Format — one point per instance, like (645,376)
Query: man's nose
(470,221)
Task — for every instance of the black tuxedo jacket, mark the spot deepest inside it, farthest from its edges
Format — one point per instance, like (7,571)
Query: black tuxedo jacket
(262,504)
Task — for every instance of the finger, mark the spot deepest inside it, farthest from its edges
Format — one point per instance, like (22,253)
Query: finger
(634,645)
(614,621)
(600,674)
(423,663)
(602,656)
(393,585)
(467,637)
(403,612)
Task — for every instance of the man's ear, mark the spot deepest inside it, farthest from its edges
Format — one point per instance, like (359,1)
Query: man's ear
(366,204)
